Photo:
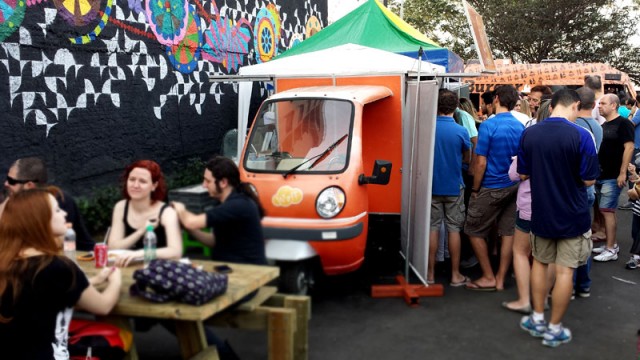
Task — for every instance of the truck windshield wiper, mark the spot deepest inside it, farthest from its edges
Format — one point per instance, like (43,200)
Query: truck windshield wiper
(317,158)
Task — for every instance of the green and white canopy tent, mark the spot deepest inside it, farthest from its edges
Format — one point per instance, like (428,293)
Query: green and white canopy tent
(373,25)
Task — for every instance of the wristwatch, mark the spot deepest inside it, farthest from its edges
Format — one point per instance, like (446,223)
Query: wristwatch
(474,190)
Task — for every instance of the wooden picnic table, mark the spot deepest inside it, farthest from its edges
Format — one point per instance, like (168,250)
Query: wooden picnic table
(189,319)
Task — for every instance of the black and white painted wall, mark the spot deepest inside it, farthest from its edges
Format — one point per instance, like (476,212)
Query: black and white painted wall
(91,85)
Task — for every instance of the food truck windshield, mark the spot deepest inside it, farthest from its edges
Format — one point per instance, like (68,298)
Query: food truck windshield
(301,136)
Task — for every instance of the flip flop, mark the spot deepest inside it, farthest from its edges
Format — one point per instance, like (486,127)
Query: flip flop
(526,310)
(473,286)
(460,283)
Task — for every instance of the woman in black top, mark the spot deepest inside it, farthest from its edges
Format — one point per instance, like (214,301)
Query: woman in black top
(39,287)
(143,190)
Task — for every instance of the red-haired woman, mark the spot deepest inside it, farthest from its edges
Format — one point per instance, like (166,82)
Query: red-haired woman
(144,191)
(39,287)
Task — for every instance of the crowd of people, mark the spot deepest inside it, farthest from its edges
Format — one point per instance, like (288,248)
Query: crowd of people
(542,163)
(519,180)
(39,287)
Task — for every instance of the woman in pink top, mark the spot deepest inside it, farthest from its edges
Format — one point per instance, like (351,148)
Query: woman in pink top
(521,244)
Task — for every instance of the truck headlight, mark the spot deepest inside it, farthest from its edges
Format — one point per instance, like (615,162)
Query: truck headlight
(330,202)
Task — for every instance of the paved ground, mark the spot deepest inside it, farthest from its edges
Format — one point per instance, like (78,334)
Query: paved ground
(348,324)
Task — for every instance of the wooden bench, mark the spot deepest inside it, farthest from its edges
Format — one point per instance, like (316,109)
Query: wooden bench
(210,353)
(260,298)
(286,318)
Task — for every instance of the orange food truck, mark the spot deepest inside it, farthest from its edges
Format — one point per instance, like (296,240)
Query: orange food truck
(342,141)
(552,74)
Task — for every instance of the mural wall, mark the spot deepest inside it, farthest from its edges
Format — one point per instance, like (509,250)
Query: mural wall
(91,85)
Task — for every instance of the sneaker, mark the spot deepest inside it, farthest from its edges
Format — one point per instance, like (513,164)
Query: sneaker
(536,329)
(633,263)
(626,206)
(584,293)
(553,339)
(607,255)
(599,250)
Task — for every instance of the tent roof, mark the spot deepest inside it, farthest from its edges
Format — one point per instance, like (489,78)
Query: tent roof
(391,33)
(348,59)
(375,26)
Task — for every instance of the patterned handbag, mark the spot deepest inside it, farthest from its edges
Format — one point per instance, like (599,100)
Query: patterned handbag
(168,280)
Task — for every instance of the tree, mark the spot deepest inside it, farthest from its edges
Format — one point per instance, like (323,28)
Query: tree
(442,21)
(533,30)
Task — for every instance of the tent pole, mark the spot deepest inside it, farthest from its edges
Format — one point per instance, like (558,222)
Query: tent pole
(413,144)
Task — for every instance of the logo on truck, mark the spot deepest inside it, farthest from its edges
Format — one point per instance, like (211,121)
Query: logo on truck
(287,196)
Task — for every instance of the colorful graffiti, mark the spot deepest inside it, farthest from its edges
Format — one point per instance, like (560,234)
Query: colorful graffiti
(11,16)
(190,33)
(137,70)
(266,34)
(226,40)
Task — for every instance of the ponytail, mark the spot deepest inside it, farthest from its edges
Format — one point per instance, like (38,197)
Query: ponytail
(247,189)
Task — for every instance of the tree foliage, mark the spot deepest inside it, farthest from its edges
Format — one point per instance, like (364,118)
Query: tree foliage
(533,30)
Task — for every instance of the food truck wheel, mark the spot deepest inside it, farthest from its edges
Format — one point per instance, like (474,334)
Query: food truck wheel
(296,277)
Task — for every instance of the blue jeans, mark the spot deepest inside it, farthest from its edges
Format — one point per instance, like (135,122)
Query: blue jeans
(581,278)
(591,195)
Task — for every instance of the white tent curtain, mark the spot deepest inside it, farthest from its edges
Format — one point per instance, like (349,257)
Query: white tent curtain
(244,102)
(417,173)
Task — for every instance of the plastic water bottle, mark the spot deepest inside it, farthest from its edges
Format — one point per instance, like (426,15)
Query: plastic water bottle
(150,242)
(70,243)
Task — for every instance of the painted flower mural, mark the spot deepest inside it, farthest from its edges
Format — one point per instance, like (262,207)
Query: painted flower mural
(168,19)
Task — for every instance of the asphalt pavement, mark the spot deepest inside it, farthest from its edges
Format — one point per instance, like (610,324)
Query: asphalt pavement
(347,323)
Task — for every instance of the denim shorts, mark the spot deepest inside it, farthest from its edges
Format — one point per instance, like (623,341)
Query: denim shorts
(522,224)
(608,192)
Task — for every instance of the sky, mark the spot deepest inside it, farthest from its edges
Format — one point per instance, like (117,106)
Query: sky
(339,8)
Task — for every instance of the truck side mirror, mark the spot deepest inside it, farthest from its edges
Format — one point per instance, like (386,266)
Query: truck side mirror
(381,174)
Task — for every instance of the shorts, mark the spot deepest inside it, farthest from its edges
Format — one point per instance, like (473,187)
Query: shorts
(489,207)
(608,192)
(449,208)
(570,252)
(522,224)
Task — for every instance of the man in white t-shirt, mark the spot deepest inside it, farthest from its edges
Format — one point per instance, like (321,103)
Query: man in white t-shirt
(524,119)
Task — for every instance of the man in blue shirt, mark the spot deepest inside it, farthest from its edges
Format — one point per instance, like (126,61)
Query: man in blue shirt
(560,159)
(451,149)
(493,198)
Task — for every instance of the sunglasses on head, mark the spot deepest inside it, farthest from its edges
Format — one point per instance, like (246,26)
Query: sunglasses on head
(13,181)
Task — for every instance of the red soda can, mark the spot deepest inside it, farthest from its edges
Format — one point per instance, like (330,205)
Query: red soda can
(100,254)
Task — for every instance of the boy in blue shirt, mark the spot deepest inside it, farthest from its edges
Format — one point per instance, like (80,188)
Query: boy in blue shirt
(451,149)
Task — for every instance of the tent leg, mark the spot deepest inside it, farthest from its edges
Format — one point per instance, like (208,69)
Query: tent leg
(410,293)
